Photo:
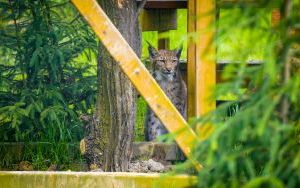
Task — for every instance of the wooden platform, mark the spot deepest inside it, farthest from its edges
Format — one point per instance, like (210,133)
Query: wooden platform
(23,179)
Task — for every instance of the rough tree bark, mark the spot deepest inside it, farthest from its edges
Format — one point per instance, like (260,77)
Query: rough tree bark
(109,141)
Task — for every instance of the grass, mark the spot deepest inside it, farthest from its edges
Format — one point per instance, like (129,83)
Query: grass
(140,119)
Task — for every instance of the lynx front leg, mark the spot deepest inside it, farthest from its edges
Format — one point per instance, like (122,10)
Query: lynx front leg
(154,127)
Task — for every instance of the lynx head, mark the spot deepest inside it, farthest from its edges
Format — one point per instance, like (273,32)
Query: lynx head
(165,62)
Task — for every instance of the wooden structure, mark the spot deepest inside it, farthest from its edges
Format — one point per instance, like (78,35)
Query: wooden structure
(161,20)
(201,77)
(201,69)
(138,74)
(201,65)
(9,179)
(166,4)
(177,4)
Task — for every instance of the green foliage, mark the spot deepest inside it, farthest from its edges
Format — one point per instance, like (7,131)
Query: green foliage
(40,154)
(140,119)
(46,75)
(259,145)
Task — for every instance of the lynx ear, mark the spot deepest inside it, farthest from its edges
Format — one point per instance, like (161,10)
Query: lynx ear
(178,51)
(152,51)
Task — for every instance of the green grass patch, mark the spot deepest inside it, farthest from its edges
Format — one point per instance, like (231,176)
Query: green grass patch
(140,119)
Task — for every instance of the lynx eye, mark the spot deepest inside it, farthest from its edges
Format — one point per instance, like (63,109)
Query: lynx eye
(161,62)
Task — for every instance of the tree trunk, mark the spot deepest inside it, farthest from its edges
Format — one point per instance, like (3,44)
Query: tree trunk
(114,130)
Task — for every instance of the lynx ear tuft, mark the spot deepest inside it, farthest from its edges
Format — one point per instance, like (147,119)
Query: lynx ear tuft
(178,51)
(152,51)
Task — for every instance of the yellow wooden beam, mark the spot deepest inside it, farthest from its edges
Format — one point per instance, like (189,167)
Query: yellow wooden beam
(191,63)
(21,179)
(205,57)
(138,74)
(202,60)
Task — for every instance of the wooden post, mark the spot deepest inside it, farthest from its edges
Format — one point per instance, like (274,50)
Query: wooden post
(161,20)
(202,60)
(132,66)
(191,60)
(163,42)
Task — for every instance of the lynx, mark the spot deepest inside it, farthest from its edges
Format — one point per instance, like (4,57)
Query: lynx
(165,65)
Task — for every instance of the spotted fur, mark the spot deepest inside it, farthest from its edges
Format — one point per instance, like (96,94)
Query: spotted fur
(165,65)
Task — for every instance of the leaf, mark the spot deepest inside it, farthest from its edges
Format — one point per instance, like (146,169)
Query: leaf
(250,168)
(264,182)
(34,58)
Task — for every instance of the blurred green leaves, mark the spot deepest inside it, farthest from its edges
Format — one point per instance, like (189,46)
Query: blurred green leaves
(258,145)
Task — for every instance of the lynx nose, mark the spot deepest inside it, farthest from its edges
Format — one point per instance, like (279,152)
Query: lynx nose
(168,70)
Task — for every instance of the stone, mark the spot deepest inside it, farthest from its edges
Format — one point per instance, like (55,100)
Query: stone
(148,166)
(25,166)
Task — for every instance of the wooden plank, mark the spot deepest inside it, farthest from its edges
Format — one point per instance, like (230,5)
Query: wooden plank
(219,70)
(163,42)
(132,66)
(181,4)
(222,64)
(148,20)
(191,65)
(165,4)
(205,56)
(159,19)
(21,179)
(202,61)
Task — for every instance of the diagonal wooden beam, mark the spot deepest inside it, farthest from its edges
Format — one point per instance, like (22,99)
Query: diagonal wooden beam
(138,74)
